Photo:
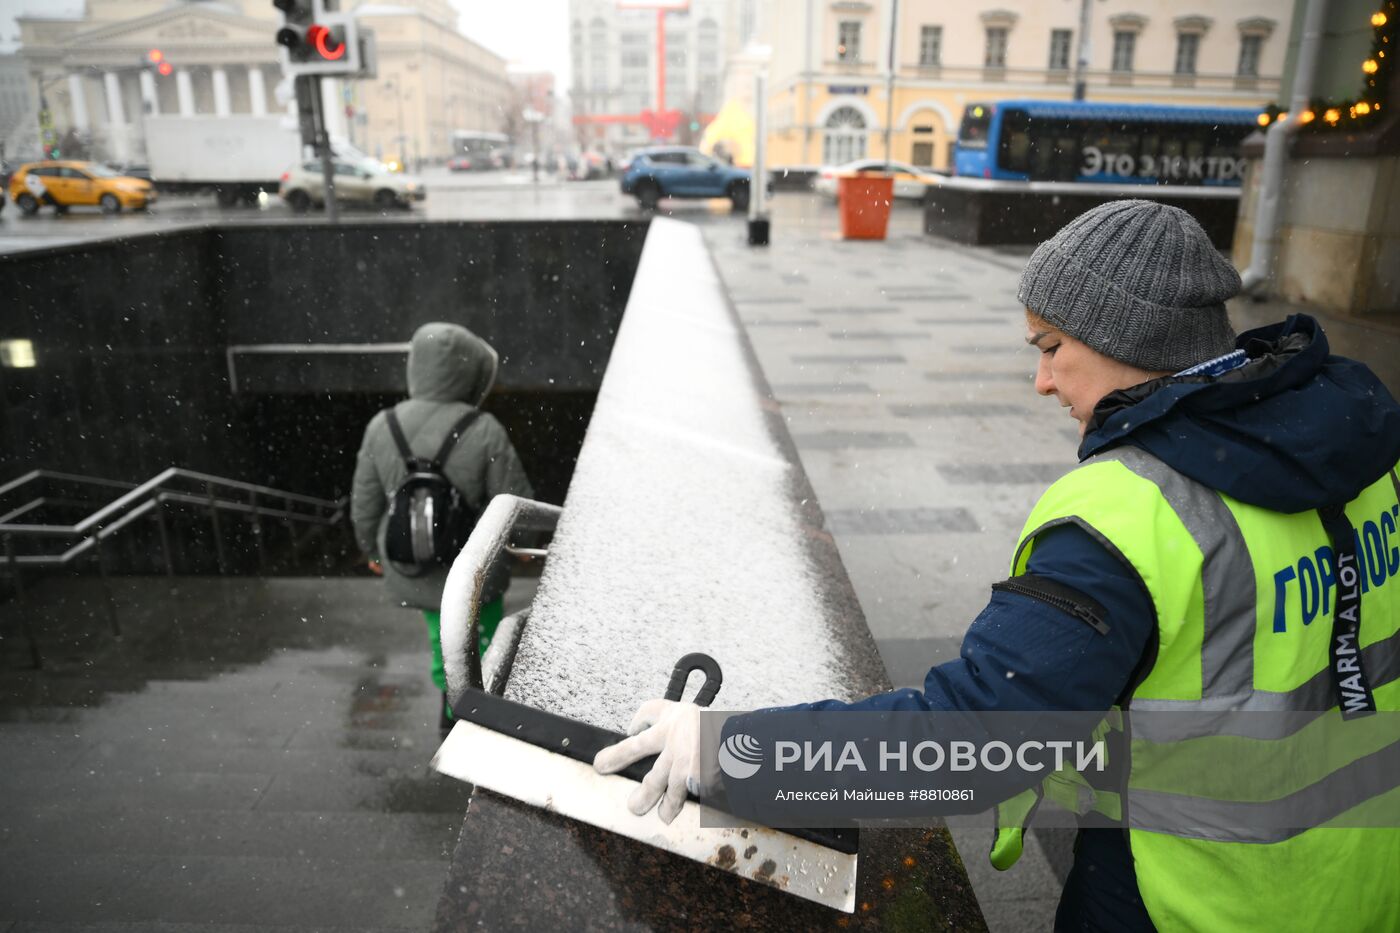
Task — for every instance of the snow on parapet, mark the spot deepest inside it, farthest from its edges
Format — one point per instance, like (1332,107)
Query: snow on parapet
(681,531)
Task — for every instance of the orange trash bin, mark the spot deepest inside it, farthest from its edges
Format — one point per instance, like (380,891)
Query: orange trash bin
(865,205)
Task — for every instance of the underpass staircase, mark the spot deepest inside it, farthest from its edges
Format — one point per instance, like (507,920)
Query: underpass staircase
(211,716)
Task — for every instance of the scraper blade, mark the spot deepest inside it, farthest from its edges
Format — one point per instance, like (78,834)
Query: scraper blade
(560,784)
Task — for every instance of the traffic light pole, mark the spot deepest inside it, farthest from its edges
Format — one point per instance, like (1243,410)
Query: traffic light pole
(310,85)
(317,39)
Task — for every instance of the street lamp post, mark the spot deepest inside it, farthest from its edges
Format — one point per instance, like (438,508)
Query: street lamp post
(403,139)
(533,117)
(47,136)
(889,78)
(1081,60)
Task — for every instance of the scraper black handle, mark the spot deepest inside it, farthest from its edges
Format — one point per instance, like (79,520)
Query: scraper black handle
(696,661)
(581,741)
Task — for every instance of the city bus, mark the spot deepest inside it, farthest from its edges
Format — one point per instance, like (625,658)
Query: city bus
(1081,141)
(476,150)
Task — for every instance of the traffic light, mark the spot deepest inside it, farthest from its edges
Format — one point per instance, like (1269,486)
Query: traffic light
(297,17)
(316,41)
(156,59)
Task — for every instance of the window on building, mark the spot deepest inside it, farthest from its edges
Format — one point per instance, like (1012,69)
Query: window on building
(921,151)
(709,94)
(931,45)
(1251,47)
(1060,40)
(748,21)
(634,59)
(1124,43)
(635,39)
(597,72)
(597,55)
(995,56)
(848,41)
(1187,45)
(707,44)
(844,136)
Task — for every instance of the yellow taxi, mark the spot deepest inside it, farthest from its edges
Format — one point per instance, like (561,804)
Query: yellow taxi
(66,184)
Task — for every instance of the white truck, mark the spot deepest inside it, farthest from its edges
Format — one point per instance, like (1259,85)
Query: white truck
(234,156)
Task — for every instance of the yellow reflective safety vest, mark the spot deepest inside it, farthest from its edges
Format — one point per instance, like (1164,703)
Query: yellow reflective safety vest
(1245,601)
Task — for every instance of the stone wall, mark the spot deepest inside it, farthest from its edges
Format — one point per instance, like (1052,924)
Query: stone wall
(1339,242)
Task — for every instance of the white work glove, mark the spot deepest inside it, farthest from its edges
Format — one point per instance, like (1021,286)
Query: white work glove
(671,731)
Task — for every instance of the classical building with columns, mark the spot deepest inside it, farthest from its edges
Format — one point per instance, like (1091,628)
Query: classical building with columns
(94,76)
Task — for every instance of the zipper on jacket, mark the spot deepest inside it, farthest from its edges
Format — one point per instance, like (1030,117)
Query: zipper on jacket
(1065,598)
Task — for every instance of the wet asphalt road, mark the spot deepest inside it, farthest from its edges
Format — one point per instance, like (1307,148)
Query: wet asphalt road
(468,196)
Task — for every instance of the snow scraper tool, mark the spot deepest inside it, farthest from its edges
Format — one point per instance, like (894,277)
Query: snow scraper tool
(546,760)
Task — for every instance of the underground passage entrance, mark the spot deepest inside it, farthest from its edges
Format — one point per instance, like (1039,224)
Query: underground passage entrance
(260,353)
(255,356)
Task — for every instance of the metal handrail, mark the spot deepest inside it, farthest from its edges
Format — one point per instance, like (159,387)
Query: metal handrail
(465,586)
(139,501)
(67,477)
(136,494)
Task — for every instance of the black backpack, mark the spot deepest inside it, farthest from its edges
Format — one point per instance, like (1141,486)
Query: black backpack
(429,518)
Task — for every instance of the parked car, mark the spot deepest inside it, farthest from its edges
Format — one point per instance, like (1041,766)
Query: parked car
(909,181)
(365,181)
(683,172)
(587,166)
(64,184)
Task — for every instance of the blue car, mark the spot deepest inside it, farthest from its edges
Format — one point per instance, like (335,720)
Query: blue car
(683,172)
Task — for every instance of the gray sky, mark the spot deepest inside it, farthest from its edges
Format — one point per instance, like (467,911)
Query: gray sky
(534,33)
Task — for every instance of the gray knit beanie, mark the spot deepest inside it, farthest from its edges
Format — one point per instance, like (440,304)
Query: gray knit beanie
(1139,282)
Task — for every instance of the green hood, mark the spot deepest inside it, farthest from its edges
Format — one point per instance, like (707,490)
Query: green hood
(448,363)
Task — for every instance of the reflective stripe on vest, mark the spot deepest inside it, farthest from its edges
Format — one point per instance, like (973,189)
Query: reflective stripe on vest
(1241,597)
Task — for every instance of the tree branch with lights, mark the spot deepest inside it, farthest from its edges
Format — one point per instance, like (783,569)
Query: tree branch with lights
(1378,70)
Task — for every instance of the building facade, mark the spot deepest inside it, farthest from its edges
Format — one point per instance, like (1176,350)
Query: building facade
(94,81)
(619,76)
(830,65)
(432,80)
(19,109)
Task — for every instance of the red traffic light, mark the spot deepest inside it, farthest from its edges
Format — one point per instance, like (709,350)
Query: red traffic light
(155,55)
(164,68)
(327,45)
